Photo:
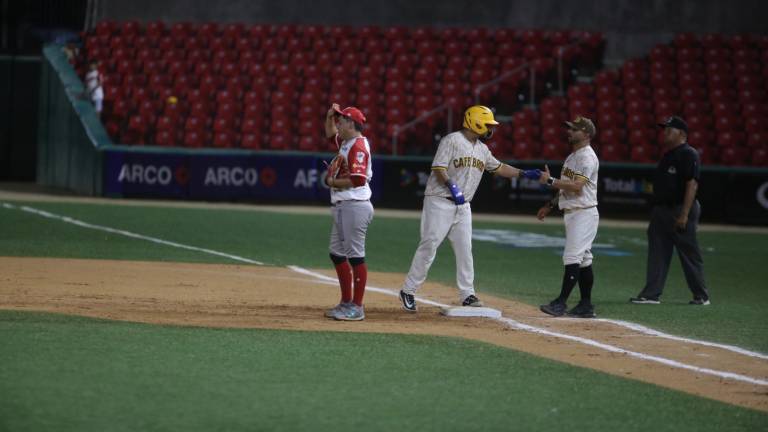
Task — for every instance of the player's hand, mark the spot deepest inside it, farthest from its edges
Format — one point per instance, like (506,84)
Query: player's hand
(456,193)
(533,174)
(543,212)
(332,110)
(544,175)
(681,223)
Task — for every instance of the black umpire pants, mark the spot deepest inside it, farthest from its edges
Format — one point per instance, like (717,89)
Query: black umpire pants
(662,237)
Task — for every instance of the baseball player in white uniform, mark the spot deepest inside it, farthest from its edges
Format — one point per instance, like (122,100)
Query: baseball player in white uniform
(457,169)
(577,197)
(348,176)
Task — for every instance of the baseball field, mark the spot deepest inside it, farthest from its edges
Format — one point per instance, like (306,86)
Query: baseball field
(136,315)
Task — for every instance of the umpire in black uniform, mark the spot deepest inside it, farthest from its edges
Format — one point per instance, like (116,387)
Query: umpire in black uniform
(674,217)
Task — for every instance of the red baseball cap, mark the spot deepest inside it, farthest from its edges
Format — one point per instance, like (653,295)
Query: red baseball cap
(353,113)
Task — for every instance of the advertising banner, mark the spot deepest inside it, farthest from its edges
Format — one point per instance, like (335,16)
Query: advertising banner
(623,191)
(232,177)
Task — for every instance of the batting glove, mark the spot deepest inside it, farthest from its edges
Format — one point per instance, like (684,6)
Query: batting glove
(533,174)
(456,193)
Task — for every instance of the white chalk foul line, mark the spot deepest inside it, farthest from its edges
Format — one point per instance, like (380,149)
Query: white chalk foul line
(541,331)
(665,361)
(651,332)
(82,224)
(507,321)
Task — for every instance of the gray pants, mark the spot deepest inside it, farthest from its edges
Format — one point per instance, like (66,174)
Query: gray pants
(662,237)
(350,226)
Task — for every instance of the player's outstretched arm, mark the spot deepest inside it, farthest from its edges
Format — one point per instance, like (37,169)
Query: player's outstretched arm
(508,171)
(512,172)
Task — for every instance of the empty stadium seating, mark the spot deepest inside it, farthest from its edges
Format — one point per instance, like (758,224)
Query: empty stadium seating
(268,87)
(717,83)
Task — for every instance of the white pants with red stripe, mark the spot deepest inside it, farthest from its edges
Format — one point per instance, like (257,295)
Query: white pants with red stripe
(441,218)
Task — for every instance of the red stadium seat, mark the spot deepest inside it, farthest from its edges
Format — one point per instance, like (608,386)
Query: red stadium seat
(642,153)
(641,137)
(522,150)
(225,139)
(759,157)
(733,155)
(251,141)
(165,138)
(136,131)
(612,152)
(553,151)
(193,138)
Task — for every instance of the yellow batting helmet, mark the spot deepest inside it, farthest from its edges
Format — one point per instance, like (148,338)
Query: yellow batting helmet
(477,118)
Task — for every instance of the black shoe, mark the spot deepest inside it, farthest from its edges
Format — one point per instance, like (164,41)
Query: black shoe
(582,310)
(699,301)
(555,308)
(409,301)
(644,300)
(472,301)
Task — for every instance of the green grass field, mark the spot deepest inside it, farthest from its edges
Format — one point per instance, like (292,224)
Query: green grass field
(70,373)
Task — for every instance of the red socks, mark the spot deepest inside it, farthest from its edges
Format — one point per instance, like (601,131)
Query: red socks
(344,272)
(360,272)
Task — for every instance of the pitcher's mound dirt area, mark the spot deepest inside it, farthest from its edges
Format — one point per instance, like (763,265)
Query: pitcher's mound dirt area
(279,298)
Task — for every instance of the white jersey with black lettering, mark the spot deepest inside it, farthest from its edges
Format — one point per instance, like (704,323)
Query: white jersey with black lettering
(582,163)
(464,163)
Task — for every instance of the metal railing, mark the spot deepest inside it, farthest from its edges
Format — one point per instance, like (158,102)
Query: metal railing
(560,78)
(479,88)
(397,129)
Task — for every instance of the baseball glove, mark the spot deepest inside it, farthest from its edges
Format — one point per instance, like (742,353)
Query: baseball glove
(337,169)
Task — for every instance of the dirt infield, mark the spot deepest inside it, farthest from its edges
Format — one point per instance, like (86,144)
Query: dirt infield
(279,298)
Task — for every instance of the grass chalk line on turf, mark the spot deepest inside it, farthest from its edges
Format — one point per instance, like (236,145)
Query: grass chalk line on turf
(506,321)
(82,224)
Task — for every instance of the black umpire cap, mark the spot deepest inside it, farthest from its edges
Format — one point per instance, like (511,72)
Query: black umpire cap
(676,123)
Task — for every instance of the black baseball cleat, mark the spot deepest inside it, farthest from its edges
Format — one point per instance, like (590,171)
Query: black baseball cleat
(409,301)
(698,301)
(472,301)
(555,308)
(582,310)
(644,300)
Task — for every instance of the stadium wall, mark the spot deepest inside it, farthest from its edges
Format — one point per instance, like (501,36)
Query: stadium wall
(632,27)
(70,133)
